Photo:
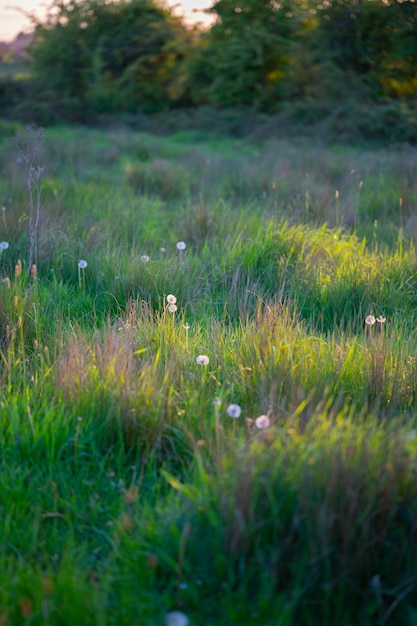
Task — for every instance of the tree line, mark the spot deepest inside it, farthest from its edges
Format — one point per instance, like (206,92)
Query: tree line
(99,57)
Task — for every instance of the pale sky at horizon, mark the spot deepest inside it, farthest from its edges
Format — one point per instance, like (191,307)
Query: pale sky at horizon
(12,21)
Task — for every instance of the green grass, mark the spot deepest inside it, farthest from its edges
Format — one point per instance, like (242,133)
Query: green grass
(127,489)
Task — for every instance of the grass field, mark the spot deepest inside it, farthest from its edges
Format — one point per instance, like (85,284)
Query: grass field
(226,428)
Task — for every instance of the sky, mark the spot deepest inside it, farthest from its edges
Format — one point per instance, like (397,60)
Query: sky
(13,21)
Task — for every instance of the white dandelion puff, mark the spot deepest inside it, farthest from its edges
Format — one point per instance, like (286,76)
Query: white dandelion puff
(262,422)
(81,264)
(370,320)
(381,319)
(181,245)
(171,299)
(172,308)
(144,258)
(202,359)
(4,245)
(176,618)
(234,410)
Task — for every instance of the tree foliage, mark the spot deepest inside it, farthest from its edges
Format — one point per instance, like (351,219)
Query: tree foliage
(374,39)
(248,51)
(262,51)
(109,56)
(123,56)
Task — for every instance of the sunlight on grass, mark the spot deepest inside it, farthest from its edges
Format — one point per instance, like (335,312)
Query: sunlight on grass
(208,385)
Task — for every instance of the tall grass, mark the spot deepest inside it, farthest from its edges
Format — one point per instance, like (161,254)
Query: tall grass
(128,489)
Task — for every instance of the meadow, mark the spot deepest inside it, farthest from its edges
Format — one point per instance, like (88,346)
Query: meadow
(208,398)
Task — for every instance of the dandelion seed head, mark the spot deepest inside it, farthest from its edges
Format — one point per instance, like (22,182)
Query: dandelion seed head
(82,264)
(262,422)
(172,308)
(3,245)
(234,410)
(202,359)
(176,618)
(370,320)
(171,299)
(381,319)
(186,326)
(181,245)
(144,258)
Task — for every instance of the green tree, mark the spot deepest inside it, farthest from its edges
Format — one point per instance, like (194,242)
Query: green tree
(108,57)
(262,52)
(247,55)
(375,40)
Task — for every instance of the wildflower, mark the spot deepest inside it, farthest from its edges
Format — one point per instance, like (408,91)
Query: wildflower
(181,245)
(370,320)
(381,319)
(144,258)
(172,308)
(234,410)
(171,299)
(202,359)
(82,264)
(3,245)
(176,618)
(262,422)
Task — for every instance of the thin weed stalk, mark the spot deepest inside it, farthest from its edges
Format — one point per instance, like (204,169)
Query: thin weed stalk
(29,143)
